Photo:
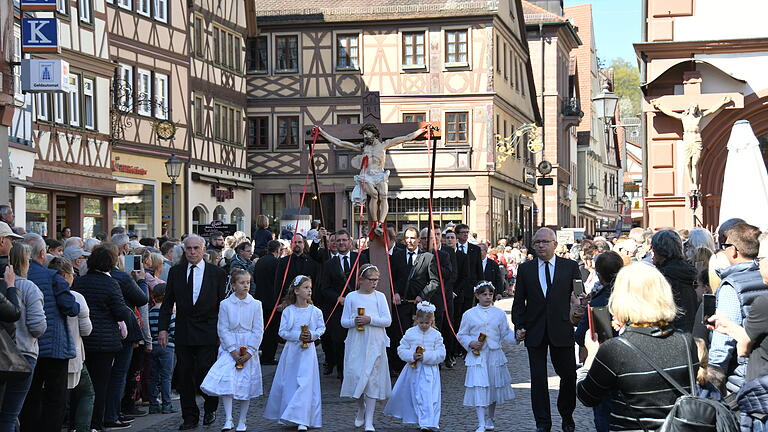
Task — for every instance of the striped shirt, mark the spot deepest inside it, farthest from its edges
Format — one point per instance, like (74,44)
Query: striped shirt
(618,368)
(154,317)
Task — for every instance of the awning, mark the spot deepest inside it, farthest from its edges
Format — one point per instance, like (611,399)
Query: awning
(220,181)
(419,194)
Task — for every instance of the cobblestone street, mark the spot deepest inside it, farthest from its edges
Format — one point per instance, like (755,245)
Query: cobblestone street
(338,413)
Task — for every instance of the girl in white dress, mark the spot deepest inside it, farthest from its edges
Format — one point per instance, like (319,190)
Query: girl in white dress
(488,382)
(366,371)
(416,397)
(237,372)
(295,395)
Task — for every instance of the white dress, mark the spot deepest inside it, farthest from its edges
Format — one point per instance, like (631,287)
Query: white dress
(488,380)
(416,397)
(295,396)
(241,323)
(366,371)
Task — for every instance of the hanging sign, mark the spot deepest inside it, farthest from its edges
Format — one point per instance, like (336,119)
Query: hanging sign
(39,35)
(38,75)
(38,5)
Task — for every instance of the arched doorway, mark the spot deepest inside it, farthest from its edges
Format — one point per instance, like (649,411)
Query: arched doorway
(715,137)
(219,214)
(238,218)
(199,217)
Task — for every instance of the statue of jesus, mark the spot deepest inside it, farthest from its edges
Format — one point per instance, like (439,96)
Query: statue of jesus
(691,119)
(373,180)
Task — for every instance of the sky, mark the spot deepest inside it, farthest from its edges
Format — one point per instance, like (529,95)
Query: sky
(617,27)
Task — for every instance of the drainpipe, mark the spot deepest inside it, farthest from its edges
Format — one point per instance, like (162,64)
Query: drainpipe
(643,116)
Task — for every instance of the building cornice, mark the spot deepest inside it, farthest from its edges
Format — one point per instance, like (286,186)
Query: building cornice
(686,49)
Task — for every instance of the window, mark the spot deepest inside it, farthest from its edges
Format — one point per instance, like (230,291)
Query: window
(17,58)
(258,133)
(74,100)
(93,221)
(414,117)
(198,115)
(347,119)
(59,108)
(86,10)
(230,57)
(413,49)
(222,47)
(456,47)
(198,36)
(288,132)
(88,104)
(224,123)
(258,56)
(41,100)
(144,87)
(161,96)
(498,55)
(125,4)
(38,211)
(347,52)
(142,7)
(126,82)
(216,54)
(234,126)
(456,127)
(236,65)
(287,53)
(62,6)
(161,10)
(216,121)
(272,206)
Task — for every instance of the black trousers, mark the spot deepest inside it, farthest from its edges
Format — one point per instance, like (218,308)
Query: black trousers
(564,362)
(44,406)
(99,366)
(270,339)
(395,332)
(193,363)
(131,382)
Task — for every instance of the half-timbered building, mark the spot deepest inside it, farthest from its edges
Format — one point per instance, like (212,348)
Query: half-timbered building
(463,64)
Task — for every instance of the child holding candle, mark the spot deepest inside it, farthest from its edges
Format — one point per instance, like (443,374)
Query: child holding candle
(366,370)
(416,397)
(483,329)
(236,375)
(295,395)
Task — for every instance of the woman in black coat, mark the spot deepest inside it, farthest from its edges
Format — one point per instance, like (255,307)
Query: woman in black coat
(107,308)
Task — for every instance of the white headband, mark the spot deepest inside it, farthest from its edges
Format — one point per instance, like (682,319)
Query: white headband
(297,280)
(367,267)
(426,306)
(482,284)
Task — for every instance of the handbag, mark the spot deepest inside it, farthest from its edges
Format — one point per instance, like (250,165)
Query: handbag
(690,412)
(13,366)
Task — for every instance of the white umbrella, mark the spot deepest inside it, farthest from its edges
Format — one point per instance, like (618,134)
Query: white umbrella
(745,183)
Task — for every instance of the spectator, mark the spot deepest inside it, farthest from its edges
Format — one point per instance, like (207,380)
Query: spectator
(55,247)
(153,266)
(262,236)
(149,242)
(66,233)
(643,303)
(30,326)
(116,230)
(162,358)
(216,241)
(698,238)
(107,308)
(6,215)
(167,250)
(718,261)
(91,243)
(668,258)
(76,256)
(242,260)
(56,347)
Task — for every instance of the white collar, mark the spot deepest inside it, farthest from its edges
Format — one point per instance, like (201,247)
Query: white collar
(348,255)
(551,261)
(200,265)
(248,299)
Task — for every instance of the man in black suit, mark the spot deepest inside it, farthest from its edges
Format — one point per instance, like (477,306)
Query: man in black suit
(336,272)
(474,271)
(264,272)
(319,253)
(423,280)
(541,312)
(298,263)
(195,288)
(491,271)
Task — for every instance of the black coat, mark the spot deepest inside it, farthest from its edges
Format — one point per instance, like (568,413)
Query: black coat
(331,287)
(452,264)
(134,296)
(106,307)
(9,309)
(195,323)
(682,278)
(551,314)
(492,273)
(470,273)
(299,265)
(264,280)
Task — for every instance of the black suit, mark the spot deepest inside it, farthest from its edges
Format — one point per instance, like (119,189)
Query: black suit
(470,273)
(546,320)
(299,265)
(196,338)
(333,285)
(492,273)
(423,281)
(264,272)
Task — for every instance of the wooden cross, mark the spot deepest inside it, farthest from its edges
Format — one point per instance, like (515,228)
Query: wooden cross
(692,94)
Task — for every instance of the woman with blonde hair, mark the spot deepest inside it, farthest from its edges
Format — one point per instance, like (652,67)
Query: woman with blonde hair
(262,236)
(153,267)
(643,307)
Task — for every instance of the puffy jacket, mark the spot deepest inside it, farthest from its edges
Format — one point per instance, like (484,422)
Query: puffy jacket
(9,309)
(135,295)
(682,277)
(107,308)
(32,323)
(59,303)
(753,402)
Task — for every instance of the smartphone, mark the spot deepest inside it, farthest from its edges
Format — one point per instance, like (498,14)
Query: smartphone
(600,323)
(578,288)
(129,263)
(136,262)
(709,305)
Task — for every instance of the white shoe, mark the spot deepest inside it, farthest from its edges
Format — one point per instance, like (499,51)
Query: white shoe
(369,428)
(480,429)
(302,428)
(241,427)
(228,426)
(359,419)
(489,424)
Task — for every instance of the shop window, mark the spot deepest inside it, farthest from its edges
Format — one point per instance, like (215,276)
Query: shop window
(272,206)
(414,212)
(238,218)
(134,208)
(38,210)
(93,219)
(219,214)
(199,217)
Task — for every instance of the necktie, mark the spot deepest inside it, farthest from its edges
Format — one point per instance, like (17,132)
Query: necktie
(346,265)
(461,248)
(410,259)
(191,281)
(547,275)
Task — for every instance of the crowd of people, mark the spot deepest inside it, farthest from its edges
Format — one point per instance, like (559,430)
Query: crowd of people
(115,327)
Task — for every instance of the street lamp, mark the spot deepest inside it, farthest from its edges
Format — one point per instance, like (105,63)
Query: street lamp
(173,169)
(592,191)
(605,103)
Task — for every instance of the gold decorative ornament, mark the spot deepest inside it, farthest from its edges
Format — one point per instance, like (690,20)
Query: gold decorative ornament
(506,147)
(165,129)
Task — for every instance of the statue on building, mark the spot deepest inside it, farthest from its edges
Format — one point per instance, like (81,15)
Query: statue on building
(691,119)
(373,181)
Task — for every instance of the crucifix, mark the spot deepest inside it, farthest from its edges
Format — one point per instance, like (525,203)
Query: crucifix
(691,116)
(372,140)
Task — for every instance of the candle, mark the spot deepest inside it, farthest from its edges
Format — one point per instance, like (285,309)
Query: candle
(360,312)
(480,338)
(243,351)
(304,328)
(419,350)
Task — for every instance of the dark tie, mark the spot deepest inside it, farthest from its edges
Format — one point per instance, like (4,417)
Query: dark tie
(191,279)
(410,259)
(346,265)
(461,248)
(547,275)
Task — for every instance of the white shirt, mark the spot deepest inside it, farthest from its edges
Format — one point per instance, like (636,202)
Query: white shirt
(465,247)
(485,261)
(543,277)
(408,256)
(197,282)
(341,260)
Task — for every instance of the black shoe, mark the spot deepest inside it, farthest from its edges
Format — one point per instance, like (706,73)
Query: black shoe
(543,428)
(209,418)
(126,418)
(569,428)
(135,412)
(117,425)
(268,362)
(187,426)
(327,370)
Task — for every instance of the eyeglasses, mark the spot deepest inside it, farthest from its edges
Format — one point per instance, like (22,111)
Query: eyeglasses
(759,260)
(724,246)
(540,242)
(374,280)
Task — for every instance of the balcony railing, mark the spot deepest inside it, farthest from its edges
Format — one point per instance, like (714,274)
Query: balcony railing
(572,108)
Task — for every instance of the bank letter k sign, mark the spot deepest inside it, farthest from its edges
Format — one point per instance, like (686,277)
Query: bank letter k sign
(40,35)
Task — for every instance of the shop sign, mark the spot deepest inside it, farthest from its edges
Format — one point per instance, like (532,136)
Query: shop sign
(129,169)
(44,75)
(222,194)
(40,35)
(38,5)
(205,230)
